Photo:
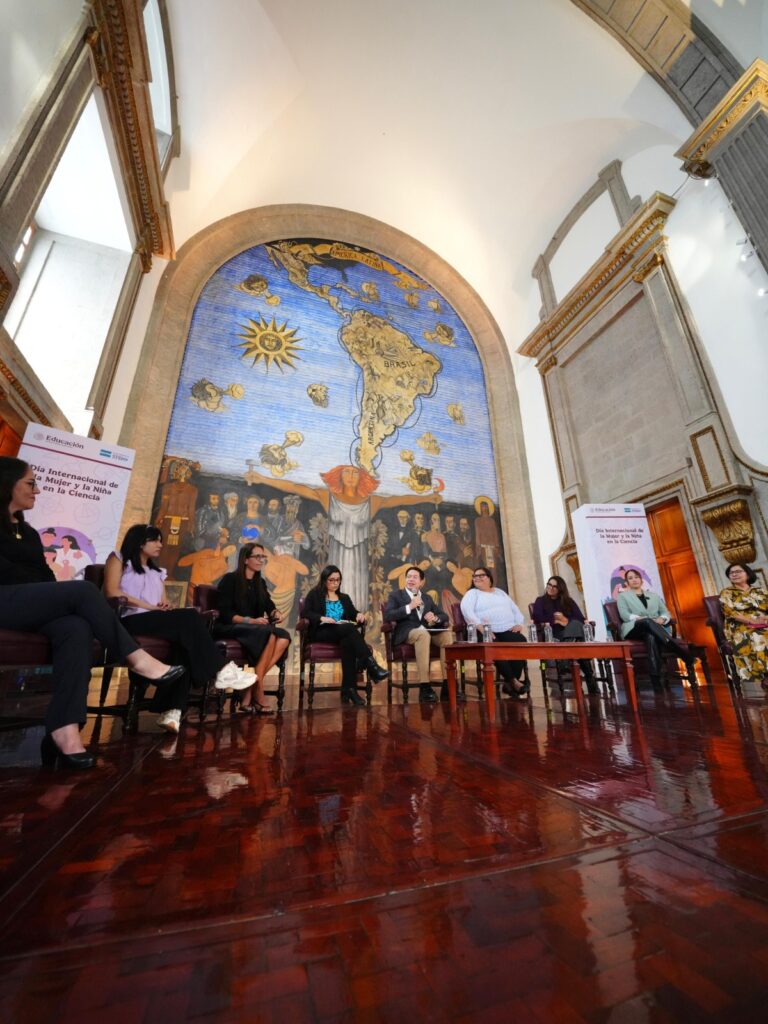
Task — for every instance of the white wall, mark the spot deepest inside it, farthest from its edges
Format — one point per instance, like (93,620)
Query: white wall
(32,33)
(722,292)
(741,25)
(60,317)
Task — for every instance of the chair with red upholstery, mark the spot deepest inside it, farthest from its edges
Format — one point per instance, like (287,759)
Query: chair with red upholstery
(669,660)
(405,654)
(206,599)
(320,652)
(716,622)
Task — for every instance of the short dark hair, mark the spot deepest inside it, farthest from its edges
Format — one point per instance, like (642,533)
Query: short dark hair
(486,570)
(415,568)
(751,574)
(134,540)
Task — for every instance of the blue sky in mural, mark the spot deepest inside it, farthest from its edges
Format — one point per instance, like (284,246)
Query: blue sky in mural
(332,290)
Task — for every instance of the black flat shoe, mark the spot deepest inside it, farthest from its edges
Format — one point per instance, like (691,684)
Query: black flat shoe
(461,697)
(427,695)
(167,677)
(352,697)
(50,754)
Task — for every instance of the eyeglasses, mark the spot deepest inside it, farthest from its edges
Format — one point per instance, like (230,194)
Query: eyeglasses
(552,586)
(333,579)
(479,575)
(259,558)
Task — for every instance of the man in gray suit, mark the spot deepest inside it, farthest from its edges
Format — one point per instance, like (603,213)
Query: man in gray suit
(415,614)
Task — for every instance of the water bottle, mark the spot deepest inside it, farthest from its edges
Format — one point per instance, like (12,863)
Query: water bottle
(548,635)
(487,634)
(533,633)
(589,633)
(471,633)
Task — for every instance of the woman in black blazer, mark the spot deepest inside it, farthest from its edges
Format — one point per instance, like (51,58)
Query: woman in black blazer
(334,619)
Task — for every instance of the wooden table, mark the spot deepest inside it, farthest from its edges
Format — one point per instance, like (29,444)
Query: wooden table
(487,654)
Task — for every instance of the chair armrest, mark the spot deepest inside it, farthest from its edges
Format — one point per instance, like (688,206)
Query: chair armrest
(118,604)
(210,617)
(302,625)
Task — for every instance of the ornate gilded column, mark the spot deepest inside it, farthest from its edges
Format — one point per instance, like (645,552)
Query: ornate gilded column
(732,144)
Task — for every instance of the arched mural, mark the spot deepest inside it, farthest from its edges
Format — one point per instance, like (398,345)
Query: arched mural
(333,405)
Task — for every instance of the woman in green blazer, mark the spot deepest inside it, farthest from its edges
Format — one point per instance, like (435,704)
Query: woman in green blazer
(644,616)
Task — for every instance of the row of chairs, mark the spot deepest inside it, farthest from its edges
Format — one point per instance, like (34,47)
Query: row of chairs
(23,650)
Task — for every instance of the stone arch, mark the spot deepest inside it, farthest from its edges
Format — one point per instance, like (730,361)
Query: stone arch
(149,407)
(674,46)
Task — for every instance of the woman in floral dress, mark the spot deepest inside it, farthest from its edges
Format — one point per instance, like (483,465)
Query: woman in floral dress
(745,608)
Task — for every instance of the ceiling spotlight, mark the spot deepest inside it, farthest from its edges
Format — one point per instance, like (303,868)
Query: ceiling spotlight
(762,291)
(745,255)
(742,241)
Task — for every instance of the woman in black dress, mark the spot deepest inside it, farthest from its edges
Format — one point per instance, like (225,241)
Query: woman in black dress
(70,614)
(334,619)
(248,613)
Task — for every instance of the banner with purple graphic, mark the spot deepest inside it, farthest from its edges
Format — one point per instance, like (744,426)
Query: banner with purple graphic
(609,540)
(83,483)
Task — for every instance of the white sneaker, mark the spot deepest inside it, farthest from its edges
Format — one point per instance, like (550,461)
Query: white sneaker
(233,678)
(170,720)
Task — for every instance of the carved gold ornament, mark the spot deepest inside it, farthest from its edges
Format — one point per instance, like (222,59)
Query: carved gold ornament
(731,524)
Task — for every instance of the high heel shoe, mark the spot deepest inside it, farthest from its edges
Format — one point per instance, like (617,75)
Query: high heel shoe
(375,672)
(50,754)
(167,677)
(352,697)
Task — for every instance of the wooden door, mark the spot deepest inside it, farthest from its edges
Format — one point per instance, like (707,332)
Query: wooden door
(680,579)
(10,442)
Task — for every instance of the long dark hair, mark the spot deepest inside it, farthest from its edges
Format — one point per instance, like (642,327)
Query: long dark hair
(564,599)
(241,581)
(134,540)
(322,584)
(11,471)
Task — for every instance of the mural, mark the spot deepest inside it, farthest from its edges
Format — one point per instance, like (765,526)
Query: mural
(331,405)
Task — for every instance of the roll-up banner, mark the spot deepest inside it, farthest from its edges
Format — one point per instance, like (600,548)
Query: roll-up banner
(609,540)
(83,484)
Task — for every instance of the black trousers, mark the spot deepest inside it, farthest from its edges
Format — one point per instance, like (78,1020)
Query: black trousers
(354,649)
(70,614)
(656,639)
(192,647)
(509,670)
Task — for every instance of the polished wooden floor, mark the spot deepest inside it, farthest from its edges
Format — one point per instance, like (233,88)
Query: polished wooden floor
(389,864)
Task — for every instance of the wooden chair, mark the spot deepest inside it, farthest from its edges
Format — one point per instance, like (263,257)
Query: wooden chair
(206,599)
(460,631)
(639,653)
(321,652)
(405,655)
(716,622)
(158,648)
(562,669)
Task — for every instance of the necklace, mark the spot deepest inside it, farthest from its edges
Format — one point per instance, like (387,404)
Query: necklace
(17,530)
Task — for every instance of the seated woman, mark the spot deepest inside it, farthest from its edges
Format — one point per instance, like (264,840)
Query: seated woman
(557,607)
(644,616)
(333,619)
(486,605)
(70,614)
(745,609)
(134,575)
(248,613)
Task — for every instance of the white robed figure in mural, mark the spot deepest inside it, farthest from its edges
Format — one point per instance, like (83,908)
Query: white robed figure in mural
(350,505)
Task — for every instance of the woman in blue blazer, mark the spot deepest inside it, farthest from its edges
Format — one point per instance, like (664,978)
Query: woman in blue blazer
(644,616)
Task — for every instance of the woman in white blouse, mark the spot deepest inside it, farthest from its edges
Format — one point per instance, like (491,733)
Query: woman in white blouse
(486,605)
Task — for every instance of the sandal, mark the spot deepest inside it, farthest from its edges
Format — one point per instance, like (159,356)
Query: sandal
(261,709)
(247,709)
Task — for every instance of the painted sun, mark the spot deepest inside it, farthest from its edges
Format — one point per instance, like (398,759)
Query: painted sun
(270,342)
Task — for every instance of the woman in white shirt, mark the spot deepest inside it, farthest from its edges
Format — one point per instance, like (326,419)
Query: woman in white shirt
(486,605)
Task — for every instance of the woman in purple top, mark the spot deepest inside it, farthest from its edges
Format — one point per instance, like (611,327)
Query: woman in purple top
(135,575)
(557,607)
